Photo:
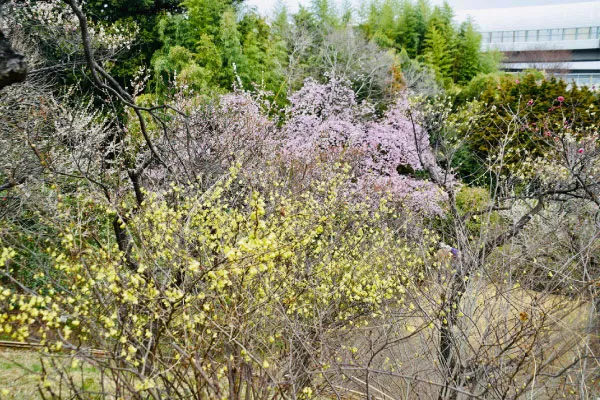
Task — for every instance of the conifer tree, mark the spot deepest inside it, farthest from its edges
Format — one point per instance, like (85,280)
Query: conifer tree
(408,25)
(229,39)
(468,54)
(437,53)
(409,37)
(325,13)
(422,16)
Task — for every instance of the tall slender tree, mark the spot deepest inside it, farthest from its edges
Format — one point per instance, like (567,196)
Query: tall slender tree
(468,61)
(437,53)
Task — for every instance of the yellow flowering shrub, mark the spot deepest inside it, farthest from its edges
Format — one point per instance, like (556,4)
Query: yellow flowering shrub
(230,290)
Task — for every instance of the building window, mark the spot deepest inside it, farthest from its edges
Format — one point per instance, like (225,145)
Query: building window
(532,36)
(570,34)
(545,35)
(541,35)
(583,33)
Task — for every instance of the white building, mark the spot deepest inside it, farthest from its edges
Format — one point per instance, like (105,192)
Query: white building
(563,39)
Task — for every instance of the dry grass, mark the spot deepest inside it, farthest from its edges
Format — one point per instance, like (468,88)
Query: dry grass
(499,327)
(20,373)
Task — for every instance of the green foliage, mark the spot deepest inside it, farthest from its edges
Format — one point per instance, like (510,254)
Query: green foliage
(325,13)
(529,107)
(205,16)
(429,35)
(437,53)
(146,15)
(476,201)
(213,45)
(468,54)
(229,39)
(472,199)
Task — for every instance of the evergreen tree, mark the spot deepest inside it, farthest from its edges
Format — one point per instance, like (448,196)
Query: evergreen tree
(281,20)
(441,19)
(422,16)
(264,51)
(409,38)
(468,55)
(445,13)
(325,13)
(229,39)
(429,35)
(437,53)
(306,20)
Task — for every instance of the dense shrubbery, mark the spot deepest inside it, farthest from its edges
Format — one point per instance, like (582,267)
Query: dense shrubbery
(246,291)
(340,229)
(210,46)
(539,108)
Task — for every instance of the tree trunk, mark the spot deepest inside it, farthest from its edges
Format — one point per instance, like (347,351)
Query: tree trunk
(13,68)
(448,343)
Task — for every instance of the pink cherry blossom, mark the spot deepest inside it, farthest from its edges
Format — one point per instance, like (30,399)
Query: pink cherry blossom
(326,122)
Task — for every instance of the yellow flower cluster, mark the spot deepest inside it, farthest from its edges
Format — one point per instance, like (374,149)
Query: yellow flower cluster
(227,276)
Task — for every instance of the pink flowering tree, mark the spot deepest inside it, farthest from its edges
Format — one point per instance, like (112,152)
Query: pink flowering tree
(326,122)
(209,137)
(324,125)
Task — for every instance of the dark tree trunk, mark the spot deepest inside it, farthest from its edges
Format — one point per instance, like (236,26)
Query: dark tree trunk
(13,68)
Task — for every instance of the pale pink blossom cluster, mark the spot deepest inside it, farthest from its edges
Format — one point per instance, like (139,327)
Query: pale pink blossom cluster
(325,121)
(323,125)
(213,137)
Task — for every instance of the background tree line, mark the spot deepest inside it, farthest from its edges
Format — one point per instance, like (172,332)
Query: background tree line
(210,46)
